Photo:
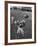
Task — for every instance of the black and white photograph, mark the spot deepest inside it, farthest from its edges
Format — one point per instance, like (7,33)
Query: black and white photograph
(20,22)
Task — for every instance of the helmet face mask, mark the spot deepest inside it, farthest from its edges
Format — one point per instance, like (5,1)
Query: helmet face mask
(22,24)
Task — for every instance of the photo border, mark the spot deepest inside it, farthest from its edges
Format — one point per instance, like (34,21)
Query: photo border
(6,22)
